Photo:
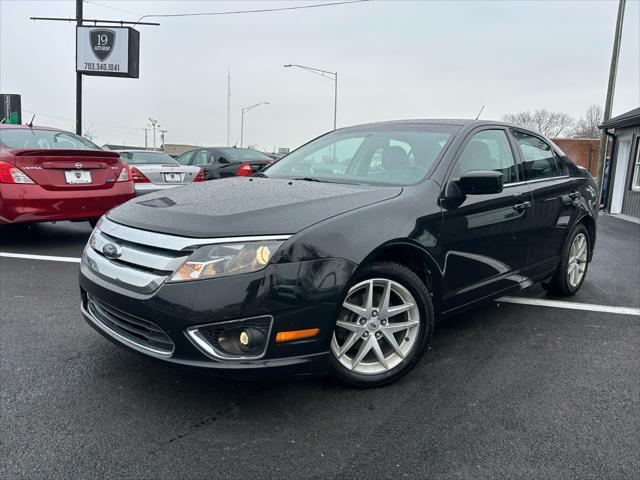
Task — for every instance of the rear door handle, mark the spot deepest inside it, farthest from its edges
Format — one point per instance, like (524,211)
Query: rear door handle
(519,207)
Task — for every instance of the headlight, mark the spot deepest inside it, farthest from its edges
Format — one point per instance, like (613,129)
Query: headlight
(226,259)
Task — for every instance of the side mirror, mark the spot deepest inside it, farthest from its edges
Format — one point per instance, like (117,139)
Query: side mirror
(480,182)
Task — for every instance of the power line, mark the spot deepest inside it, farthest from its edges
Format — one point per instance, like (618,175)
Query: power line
(73,120)
(110,7)
(260,10)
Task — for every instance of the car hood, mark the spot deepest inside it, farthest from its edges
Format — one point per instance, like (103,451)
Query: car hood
(245,206)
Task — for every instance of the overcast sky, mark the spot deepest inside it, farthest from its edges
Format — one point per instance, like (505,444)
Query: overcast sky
(418,59)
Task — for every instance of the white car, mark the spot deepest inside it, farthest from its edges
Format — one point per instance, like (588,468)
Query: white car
(153,171)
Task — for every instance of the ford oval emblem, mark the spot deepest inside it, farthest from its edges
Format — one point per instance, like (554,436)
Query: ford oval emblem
(112,250)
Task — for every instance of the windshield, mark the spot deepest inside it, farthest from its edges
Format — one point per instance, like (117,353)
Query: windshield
(243,154)
(43,139)
(377,154)
(142,158)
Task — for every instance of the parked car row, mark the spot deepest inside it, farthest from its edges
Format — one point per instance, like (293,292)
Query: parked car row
(48,174)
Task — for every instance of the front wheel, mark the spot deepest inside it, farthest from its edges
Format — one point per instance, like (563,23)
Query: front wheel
(574,261)
(383,326)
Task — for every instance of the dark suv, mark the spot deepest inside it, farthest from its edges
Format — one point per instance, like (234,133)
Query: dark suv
(340,256)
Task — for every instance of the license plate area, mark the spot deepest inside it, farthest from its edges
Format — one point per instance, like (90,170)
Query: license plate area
(173,177)
(77,176)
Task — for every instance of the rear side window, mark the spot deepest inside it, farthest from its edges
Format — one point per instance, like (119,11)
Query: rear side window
(487,150)
(202,157)
(539,159)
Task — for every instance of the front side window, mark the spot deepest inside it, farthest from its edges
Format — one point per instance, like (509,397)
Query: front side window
(43,139)
(487,150)
(375,154)
(538,157)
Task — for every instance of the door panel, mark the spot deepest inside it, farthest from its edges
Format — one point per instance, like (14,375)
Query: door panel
(483,234)
(556,200)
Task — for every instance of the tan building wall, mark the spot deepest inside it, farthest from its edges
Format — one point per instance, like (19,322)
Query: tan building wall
(582,151)
(175,149)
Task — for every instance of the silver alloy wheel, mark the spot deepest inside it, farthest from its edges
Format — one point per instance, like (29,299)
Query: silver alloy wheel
(577,263)
(377,327)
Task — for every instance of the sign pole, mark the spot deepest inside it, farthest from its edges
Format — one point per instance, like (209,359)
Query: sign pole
(78,76)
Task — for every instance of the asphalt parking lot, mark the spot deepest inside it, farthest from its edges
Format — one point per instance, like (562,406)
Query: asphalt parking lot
(506,391)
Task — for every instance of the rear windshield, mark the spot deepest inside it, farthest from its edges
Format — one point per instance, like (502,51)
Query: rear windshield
(138,158)
(243,154)
(43,139)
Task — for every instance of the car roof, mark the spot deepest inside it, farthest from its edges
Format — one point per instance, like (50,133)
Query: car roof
(432,121)
(34,127)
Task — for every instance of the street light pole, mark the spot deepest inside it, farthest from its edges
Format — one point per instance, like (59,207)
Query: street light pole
(326,74)
(153,125)
(244,110)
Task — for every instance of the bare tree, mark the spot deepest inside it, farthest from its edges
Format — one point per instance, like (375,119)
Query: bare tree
(549,124)
(90,133)
(587,126)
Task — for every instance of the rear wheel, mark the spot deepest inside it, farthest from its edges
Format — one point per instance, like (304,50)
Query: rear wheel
(572,269)
(383,326)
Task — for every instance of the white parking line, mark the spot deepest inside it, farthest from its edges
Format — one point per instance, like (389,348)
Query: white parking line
(40,257)
(571,305)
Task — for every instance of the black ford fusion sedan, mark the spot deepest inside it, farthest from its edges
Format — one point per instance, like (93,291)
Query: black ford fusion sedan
(339,257)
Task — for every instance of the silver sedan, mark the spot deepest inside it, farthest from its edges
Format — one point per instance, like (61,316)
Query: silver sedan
(153,171)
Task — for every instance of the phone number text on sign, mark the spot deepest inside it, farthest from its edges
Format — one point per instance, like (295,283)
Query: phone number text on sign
(104,67)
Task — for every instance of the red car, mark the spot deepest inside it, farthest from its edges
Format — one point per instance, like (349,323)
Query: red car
(49,175)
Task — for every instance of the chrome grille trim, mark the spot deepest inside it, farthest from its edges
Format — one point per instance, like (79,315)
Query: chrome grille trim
(137,254)
(120,274)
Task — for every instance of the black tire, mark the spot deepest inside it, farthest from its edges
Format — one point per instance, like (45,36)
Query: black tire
(410,281)
(559,283)
(93,222)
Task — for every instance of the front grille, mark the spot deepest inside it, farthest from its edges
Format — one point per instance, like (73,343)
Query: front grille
(140,331)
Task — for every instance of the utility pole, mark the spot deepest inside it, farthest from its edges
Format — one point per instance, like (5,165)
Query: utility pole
(229,107)
(79,76)
(154,123)
(145,138)
(613,70)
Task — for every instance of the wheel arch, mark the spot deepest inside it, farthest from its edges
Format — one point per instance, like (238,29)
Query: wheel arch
(590,225)
(414,258)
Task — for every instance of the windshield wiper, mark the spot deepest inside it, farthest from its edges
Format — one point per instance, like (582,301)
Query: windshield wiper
(259,174)
(312,179)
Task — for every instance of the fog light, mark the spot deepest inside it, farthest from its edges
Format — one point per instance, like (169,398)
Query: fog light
(234,339)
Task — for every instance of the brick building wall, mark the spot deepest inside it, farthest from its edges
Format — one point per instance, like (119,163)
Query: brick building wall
(582,151)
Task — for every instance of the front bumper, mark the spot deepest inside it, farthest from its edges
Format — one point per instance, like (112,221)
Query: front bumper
(297,296)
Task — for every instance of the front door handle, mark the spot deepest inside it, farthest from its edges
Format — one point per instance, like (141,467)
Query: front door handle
(520,207)
(574,195)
